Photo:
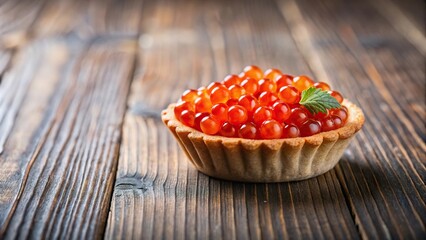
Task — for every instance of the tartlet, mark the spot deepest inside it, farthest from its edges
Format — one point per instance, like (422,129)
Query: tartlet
(264,160)
(310,124)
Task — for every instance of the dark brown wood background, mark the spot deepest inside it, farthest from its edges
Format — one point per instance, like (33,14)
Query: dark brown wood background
(84,154)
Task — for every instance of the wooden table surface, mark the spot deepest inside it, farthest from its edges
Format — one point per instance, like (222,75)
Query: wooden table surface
(84,154)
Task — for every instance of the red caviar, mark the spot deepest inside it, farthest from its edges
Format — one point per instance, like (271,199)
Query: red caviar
(272,74)
(228,130)
(231,79)
(291,131)
(271,129)
(337,96)
(248,130)
(219,95)
(210,125)
(289,94)
(252,72)
(302,82)
(284,80)
(236,91)
(322,85)
(258,105)
(237,115)
(262,114)
(251,85)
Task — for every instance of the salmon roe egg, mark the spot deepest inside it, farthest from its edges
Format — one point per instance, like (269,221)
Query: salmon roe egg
(262,114)
(198,118)
(187,117)
(231,79)
(237,115)
(272,74)
(214,85)
(189,95)
(337,122)
(267,98)
(248,130)
(289,94)
(284,80)
(219,95)
(252,71)
(302,82)
(342,113)
(250,85)
(209,125)
(309,128)
(322,85)
(291,131)
(220,112)
(298,116)
(203,104)
(336,95)
(181,106)
(236,91)
(202,92)
(248,102)
(281,111)
(228,130)
(266,84)
(271,129)
(232,102)
(327,124)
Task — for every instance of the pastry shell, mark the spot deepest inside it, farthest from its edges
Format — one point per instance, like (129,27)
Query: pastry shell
(278,160)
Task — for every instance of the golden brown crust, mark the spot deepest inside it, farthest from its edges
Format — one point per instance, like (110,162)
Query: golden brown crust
(275,160)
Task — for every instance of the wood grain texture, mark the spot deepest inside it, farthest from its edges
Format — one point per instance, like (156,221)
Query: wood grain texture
(157,193)
(89,19)
(407,17)
(414,11)
(383,174)
(5,61)
(24,21)
(62,100)
(61,112)
(16,19)
(82,84)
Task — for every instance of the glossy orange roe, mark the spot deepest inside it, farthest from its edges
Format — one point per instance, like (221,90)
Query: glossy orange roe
(258,105)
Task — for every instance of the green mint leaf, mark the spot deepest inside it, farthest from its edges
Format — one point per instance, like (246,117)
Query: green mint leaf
(317,100)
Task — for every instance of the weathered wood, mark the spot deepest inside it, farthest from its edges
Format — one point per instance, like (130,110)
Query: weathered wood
(65,73)
(16,19)
(158,194)
(414,11)
(89,19)
(23,21)
(61,111)
(5,61)
(383,173)
(62,101)
(407,17)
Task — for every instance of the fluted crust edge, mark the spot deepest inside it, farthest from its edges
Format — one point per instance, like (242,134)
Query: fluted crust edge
(278,160)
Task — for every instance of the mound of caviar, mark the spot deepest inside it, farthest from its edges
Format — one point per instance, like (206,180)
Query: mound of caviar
(262,105)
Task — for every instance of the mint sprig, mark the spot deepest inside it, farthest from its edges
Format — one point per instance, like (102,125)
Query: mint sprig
(317,100)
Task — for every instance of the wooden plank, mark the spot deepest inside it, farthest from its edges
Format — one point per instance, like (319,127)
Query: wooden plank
(88,19)
(383,173)
(414,10)
(18,15)
(16,19)
(61,111)
(5,61)
(407,17)
(26,20)
(92,22)
(158,194)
